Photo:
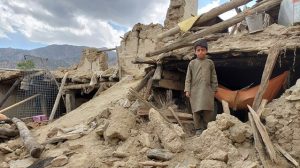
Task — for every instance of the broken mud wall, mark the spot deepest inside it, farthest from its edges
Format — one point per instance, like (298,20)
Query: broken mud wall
(180,10)
(283,121)
(93,60)
(136,43)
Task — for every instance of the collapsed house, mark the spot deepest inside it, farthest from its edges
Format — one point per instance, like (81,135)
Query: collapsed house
(147,123)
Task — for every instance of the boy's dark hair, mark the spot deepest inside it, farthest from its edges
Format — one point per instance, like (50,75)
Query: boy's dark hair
(201,43)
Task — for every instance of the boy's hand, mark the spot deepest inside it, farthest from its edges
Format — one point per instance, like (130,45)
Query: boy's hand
(187,94)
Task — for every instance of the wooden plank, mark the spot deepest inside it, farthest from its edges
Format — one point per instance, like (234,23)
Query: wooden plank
(19,103)
(158,72)
(181,116)
(144,81)
(262,107)
(148,88)
(263,6)
(9,92)
(213,13)
(274,51)
(225,107)
(153,164)
(286,155)
(34,148)
(58,97)
(264,134)
(175,116)
(70,101)
(170,84)
(258,143)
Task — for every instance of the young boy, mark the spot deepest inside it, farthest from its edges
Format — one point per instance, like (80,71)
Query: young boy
(200,86)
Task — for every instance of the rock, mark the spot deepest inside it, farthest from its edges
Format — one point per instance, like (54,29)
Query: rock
(18,152)
(223,121)
(237,134)
(24,163)
(52,132)
(144,139)
(212,164)
(60,161)
(5,149)
(101,128)
(165,131)
(125,103)
(159,154)
(4,165)
(120,154)
(245,164)
(104,114)
(121,122)
(75,146)
(219,155)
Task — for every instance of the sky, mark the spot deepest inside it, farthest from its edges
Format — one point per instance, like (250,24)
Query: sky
(95,23)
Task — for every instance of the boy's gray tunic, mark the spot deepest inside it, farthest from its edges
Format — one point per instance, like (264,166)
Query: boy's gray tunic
(201,81)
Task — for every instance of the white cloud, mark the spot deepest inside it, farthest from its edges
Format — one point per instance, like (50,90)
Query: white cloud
(77,22)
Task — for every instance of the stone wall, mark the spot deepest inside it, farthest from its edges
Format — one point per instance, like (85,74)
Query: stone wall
(93,60)
(136,43)
(180,10)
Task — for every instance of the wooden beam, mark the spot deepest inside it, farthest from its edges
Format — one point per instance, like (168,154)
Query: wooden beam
(176,117)
(56,103)
(274,51)
(78,86)
(264,134)
(70,101)
(167,113)
(262,107)
(108,49)
(9,92)
(258,143)
(225,107)
(34,148)
(213,13)
(19,103)
(286,155)
(158,72)
(264,6)
(144,81)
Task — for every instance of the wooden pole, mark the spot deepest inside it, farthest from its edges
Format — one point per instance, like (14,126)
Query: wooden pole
(144,81)
(286,155)
(9,92)
(58,97)
(19,103)
(262,107)
(274,51)
(264,135)
(70,101)
(258,143)
(264,6)
(34,148)
(213,13)
(225,107)
(176,117)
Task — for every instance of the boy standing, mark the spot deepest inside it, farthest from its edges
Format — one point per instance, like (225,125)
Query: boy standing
(200,86)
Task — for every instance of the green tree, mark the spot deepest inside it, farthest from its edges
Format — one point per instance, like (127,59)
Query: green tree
(26,64)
